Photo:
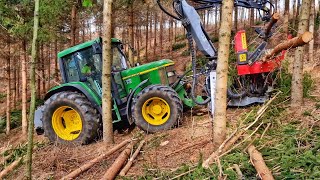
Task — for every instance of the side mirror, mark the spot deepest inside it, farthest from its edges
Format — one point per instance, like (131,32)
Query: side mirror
(83,79)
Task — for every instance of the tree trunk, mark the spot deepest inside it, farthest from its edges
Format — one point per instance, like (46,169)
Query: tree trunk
(147,32)
(236,18)
(286,16)
(24,89)
(171,35)
(33,90)
(161,33)
(251,17)
(131,35)
(106,74)
(14,94)
(8,109)
(73,24)
(297,75)
(48,61)
(216,21)
(220,109)
(42,61)
(311,29)
(155,34)
(56,70)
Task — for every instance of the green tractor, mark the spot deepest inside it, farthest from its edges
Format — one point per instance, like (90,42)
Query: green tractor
(151,96)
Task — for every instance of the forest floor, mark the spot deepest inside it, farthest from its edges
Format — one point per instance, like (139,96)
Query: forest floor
(165,152)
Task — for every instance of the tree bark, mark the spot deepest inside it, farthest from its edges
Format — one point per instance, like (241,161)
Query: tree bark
(24,89)
(161,33)
(147,32)
(251,17)
(311,29)
(155,34)
(219,125)
(56,70)
(106,74)
(236,18)
(286,16)
(8,108)
(118,163)
(126,168)
(301,40)
(33,90)
(131,35)
(297,75)
(73,24)
(259,164)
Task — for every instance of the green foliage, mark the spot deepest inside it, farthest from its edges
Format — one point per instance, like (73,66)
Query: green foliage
(185,53)
(178,46)
(2,97)
(215,39)
(317,21)
(87,3)
(308,84)
(180,37)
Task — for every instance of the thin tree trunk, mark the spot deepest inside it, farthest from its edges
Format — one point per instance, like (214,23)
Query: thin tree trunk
(251,17)
(161,33)
(106,74)
(297,75)
(311,29)
(131,35)
(220,109)
(8,108)
(48,57)
(147,32)
(286,16)
(155,34)
(236,18)
(56,70)
(73,24)
(33,90)
(24,89)
(14,94)
(42,61)
(171,35)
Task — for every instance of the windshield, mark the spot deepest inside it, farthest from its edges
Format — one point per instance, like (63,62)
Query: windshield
(118,60)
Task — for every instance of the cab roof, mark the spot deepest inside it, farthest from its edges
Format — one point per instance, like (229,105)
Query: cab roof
(84,45)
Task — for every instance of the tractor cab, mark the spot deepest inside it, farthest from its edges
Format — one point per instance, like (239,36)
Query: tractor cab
(83,63)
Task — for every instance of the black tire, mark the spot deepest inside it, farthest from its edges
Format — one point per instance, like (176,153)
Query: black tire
(89,118)
(162,92)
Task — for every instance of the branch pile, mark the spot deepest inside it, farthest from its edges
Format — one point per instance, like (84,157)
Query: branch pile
(114,169)
(228,144)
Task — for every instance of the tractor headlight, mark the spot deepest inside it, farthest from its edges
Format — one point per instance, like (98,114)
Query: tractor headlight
(170,74)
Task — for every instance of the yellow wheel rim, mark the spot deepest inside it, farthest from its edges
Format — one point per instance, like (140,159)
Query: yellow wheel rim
(66,123)
(156,111)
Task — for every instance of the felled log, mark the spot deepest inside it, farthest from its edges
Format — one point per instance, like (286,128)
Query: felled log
(274,20)
(259,164)
(301,40)
(10,168)
(118,163)
(89,164)
(126,168)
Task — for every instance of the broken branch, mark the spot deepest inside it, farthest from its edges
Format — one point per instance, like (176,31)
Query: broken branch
(126,168)
(10,168)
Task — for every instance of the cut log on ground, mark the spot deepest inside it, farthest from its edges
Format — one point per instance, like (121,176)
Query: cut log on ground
(10,168)
(118,163)
(301,40)
(126,168)
(88,165)
(259,164)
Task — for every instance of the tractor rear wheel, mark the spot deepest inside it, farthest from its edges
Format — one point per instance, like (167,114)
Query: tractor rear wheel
(157,108)
(69,118)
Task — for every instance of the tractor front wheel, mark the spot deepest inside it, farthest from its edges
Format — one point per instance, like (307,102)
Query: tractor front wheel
(157,108)
(69,118)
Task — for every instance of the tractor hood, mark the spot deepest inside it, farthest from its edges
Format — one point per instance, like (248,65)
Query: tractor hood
(145,68)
